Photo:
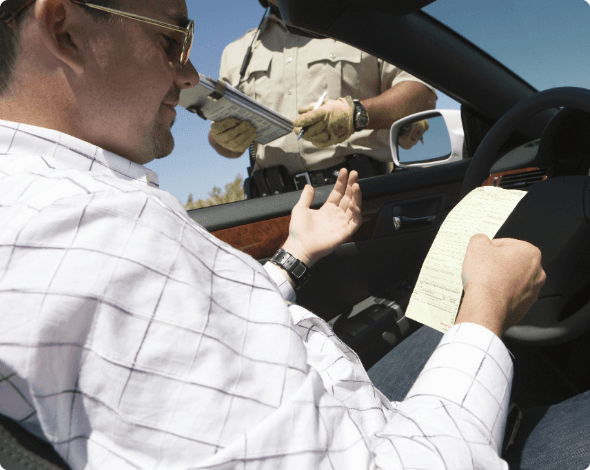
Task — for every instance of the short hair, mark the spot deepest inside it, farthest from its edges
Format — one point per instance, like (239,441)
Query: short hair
(10,36)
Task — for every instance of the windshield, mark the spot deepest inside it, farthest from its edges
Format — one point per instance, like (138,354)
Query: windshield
(545,42)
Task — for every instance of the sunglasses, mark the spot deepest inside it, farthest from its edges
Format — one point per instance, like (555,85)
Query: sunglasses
(188,31)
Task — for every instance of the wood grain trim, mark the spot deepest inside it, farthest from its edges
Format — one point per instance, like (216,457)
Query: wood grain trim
(262,239)
(259,239)
(496,178)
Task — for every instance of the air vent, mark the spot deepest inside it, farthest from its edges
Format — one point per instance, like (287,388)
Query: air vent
(522,180)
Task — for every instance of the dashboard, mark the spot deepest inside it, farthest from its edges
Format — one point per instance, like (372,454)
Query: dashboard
(563,149)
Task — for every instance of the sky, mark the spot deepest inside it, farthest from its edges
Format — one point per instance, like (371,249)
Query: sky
(546,42)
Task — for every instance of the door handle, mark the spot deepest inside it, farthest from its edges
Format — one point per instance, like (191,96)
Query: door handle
(403,222)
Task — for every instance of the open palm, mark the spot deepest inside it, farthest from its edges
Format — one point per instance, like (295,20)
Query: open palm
(314,234)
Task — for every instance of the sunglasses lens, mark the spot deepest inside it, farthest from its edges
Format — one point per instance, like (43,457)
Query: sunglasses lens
(188,44)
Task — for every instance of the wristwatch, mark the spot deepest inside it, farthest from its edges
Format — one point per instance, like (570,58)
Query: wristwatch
(361,117)
(298,271)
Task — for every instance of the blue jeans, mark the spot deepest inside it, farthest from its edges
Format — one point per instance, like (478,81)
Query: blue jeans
(549,438)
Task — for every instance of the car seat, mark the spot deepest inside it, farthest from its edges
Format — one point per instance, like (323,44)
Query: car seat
(20,450)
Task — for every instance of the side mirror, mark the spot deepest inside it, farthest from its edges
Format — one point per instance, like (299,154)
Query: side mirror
(428,138)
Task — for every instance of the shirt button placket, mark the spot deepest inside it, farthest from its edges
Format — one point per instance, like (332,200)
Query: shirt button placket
(289,75)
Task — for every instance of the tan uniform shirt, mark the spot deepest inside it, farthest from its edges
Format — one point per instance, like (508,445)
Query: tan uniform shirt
(287,72)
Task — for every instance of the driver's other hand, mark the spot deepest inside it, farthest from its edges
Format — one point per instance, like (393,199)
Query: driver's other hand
(502,279)
(233,134)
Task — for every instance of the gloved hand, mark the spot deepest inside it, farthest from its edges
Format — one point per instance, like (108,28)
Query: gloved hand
(330,124)
(410,136)
(233,134)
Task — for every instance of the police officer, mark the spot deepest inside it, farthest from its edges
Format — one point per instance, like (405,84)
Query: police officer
(288,73)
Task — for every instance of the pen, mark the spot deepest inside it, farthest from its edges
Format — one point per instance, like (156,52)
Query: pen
(317,105)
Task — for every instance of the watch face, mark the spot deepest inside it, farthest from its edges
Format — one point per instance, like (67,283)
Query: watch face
(361,118)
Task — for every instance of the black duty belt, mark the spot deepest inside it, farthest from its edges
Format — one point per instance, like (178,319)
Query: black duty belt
(276,179)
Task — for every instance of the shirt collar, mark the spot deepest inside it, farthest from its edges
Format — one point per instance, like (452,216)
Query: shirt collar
(69,152)
(268,22)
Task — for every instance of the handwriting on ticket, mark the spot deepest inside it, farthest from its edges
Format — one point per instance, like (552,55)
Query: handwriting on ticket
(437,295)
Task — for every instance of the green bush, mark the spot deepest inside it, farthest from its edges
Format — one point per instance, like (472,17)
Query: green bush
(233,192)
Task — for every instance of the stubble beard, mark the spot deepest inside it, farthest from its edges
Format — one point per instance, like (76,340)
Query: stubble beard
(160,140)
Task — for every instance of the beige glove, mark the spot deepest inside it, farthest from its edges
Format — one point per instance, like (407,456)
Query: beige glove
(330,124)
(409,136)
(233,134)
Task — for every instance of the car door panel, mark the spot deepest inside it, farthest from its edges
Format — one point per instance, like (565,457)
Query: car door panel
(375,265)
(370,263)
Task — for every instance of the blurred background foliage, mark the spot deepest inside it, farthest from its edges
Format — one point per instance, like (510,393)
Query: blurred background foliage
(234,191)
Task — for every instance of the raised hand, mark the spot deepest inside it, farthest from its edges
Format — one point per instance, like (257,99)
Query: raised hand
(314,234)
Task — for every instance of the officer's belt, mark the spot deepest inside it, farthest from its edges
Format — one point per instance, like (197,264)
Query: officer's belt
(276,179)
(362,164)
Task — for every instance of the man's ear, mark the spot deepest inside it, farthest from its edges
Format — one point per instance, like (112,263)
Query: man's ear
(57,21)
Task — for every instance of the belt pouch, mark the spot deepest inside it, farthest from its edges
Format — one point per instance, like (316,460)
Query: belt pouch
(277,178)
(362,165)
(260,182)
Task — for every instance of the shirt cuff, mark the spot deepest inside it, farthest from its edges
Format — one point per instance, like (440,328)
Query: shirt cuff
(471,368)
(279,279)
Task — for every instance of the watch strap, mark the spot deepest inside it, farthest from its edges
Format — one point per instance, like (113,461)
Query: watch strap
(361,117)
(297,269)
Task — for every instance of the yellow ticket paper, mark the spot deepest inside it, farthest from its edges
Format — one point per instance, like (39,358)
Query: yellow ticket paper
(437,295)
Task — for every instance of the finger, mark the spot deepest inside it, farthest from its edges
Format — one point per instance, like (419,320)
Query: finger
(306,109)
(316,130)
(479,238)
(243,127)
(309,118)
(353,190)
(306,198)
(223,125)
(356,215)
(357,195)
(321,141)
(353,177)
(346,201)
(339,188)
(541,278)
(317,137)
(246,139)
(498,242)
(324,143)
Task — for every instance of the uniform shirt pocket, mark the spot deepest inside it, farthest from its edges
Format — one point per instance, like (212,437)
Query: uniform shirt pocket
(329,64)
(256,81)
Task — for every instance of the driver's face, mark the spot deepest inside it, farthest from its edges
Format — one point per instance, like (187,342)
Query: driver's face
(132,85)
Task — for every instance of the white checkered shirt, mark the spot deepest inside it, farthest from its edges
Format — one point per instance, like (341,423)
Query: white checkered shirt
(132,338)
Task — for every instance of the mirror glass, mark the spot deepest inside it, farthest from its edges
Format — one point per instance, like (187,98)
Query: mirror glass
(424,141)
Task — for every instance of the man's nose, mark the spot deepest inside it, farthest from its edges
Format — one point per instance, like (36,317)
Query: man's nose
(188,77)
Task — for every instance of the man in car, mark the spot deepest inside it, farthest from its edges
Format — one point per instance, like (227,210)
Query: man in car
(288,72)
(132,338)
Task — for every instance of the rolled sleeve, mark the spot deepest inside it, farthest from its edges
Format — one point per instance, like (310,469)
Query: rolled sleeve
(392,75)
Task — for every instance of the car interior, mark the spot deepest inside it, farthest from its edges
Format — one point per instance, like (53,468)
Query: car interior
(515,138)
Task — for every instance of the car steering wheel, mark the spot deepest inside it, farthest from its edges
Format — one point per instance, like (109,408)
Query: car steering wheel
(555,217)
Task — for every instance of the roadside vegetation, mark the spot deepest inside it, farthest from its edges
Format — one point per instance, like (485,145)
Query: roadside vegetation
(234,191)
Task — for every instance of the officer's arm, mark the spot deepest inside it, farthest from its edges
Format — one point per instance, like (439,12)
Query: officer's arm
(401,100)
